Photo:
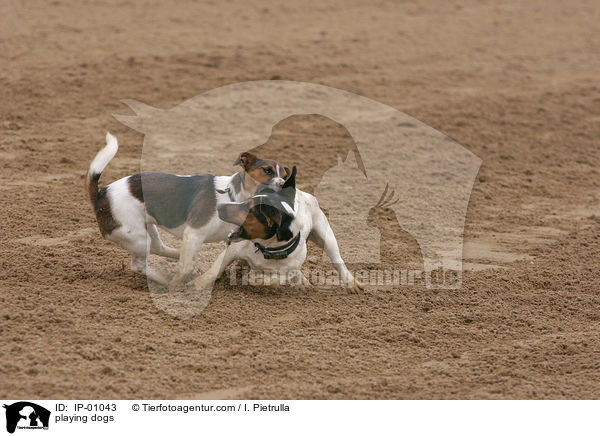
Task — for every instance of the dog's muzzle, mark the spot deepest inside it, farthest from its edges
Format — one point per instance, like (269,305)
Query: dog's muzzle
(235,235)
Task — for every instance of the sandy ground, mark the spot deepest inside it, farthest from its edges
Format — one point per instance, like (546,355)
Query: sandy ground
(516,84)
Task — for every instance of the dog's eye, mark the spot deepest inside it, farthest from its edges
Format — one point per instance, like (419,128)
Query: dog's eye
(268,171)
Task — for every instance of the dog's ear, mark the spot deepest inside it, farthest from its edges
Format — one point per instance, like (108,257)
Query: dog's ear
(245,159)
(290,182)
(288,172)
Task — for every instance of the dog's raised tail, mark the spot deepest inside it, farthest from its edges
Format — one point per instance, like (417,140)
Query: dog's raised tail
(102,159)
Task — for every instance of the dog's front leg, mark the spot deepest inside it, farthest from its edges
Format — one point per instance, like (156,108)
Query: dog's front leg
(322,235)
(217,269)
(192,241)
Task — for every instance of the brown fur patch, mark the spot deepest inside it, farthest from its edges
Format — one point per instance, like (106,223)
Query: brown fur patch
(104,216)
(259,170)
(259,175)
(91,184)
(253,228)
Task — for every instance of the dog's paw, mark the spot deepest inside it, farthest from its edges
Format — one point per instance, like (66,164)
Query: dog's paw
(354,287)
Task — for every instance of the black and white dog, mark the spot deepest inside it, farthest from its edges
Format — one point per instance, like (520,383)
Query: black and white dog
(271,236)
(129,209)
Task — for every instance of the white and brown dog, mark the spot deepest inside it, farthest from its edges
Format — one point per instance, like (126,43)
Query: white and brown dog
(129,209)
(273,228)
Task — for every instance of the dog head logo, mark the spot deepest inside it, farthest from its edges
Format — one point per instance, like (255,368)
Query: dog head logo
(429,174)
(26,415)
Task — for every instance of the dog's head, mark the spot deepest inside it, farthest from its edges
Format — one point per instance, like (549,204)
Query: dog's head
(266,214)
(262,171)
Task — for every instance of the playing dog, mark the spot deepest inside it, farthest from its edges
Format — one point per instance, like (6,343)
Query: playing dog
(271,235)
(129,209)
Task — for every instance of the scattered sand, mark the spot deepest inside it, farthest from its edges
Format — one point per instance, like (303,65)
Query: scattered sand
(515,83)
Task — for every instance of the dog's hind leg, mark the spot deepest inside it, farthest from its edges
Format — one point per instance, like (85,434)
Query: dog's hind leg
(192,241)
(137,241)
(157,246)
